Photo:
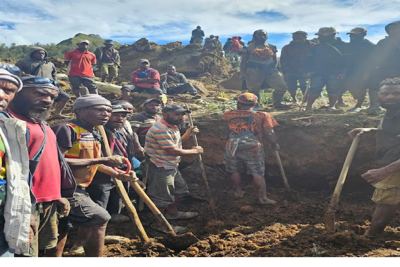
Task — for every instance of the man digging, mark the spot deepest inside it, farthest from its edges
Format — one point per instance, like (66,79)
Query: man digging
(386,179)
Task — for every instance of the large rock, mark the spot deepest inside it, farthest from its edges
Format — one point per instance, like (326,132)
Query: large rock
(192,60)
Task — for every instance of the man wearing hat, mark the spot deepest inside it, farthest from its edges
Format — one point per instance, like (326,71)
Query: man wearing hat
(360,51)
(39,65)
(12,175)
(326,66)
(81,144)
(144,79)
(102,190)
(385,63)
(109,61)
(142,122)
(293,62)
(80,71)
(165,185)
(50,178)
(244,150)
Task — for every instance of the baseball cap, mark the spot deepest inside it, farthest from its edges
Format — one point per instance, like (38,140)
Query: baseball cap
(358,30)
(248,98)
(175,108)
(299,32)
(143,60)
(152,99)
(326,31)
(118,109)
(83,41)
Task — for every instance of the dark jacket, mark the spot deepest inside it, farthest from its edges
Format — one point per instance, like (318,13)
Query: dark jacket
(360,54)
(40,68)
(227,46)
(197,33)
(386,58)
(99,55)
(294,55)
(328,58)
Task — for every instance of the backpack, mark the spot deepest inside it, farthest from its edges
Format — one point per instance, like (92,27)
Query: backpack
(243,140)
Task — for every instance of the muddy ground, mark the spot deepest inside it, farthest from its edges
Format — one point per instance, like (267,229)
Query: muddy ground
(313,150)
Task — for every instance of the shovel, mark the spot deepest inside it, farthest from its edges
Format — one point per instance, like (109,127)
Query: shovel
(293,194)
(330,213)
(178,242)
(124,196)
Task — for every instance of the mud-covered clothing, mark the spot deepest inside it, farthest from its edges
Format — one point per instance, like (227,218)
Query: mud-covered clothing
(294,57)
(81,142)
(238,121)
(360,55)
(328,58)
(104,55)
(143,121)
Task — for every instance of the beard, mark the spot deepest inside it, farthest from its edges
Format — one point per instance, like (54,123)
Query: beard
(393,106)
(172,121)
(24,106)
(259,40)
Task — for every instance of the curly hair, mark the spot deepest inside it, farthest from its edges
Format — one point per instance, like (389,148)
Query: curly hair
(389,81)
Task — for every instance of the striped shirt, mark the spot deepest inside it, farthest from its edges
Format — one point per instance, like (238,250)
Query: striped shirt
(160,137)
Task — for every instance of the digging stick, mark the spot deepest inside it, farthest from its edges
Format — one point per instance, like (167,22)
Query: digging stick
(330,213)
(124,196)
(146,162)
(203,171)
(283,174)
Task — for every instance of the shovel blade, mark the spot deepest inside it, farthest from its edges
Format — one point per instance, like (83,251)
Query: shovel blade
(180,242)
(329,221)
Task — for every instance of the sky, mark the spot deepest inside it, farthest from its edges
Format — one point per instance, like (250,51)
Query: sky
(163,21)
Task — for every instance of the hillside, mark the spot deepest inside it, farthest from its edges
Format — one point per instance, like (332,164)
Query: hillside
(94,39)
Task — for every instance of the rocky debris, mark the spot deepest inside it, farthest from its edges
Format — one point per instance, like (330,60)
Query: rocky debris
(192,60)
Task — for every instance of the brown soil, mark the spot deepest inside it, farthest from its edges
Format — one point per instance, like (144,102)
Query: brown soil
(313,151)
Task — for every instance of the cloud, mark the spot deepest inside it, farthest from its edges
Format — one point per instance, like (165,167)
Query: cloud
(44,21)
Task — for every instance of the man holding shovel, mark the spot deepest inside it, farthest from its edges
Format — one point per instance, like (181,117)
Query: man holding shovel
(386,179)
(165,185)
(81,144)
(245,149)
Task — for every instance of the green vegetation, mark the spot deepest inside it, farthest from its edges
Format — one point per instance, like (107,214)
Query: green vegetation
(18,52)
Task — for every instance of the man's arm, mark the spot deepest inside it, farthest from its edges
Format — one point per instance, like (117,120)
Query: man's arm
(283,59)
(183,152)
(270,136)
(191,130)
(243,63)
(67,58)
(183,78)
(113,161)
(20,64)
(376,175)
(54,72)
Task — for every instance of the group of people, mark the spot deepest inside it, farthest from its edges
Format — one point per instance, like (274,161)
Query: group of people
(55,178)
(311,65)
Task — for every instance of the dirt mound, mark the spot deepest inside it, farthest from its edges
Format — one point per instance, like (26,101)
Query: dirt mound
(192,60)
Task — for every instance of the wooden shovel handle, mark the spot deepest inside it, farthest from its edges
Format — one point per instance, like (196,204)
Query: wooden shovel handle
(124,196)
(285,180)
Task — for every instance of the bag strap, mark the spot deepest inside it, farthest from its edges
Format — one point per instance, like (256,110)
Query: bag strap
(36,70)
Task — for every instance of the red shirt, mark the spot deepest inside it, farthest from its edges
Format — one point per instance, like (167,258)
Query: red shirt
(151,74)
(80,63)
(46,182)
